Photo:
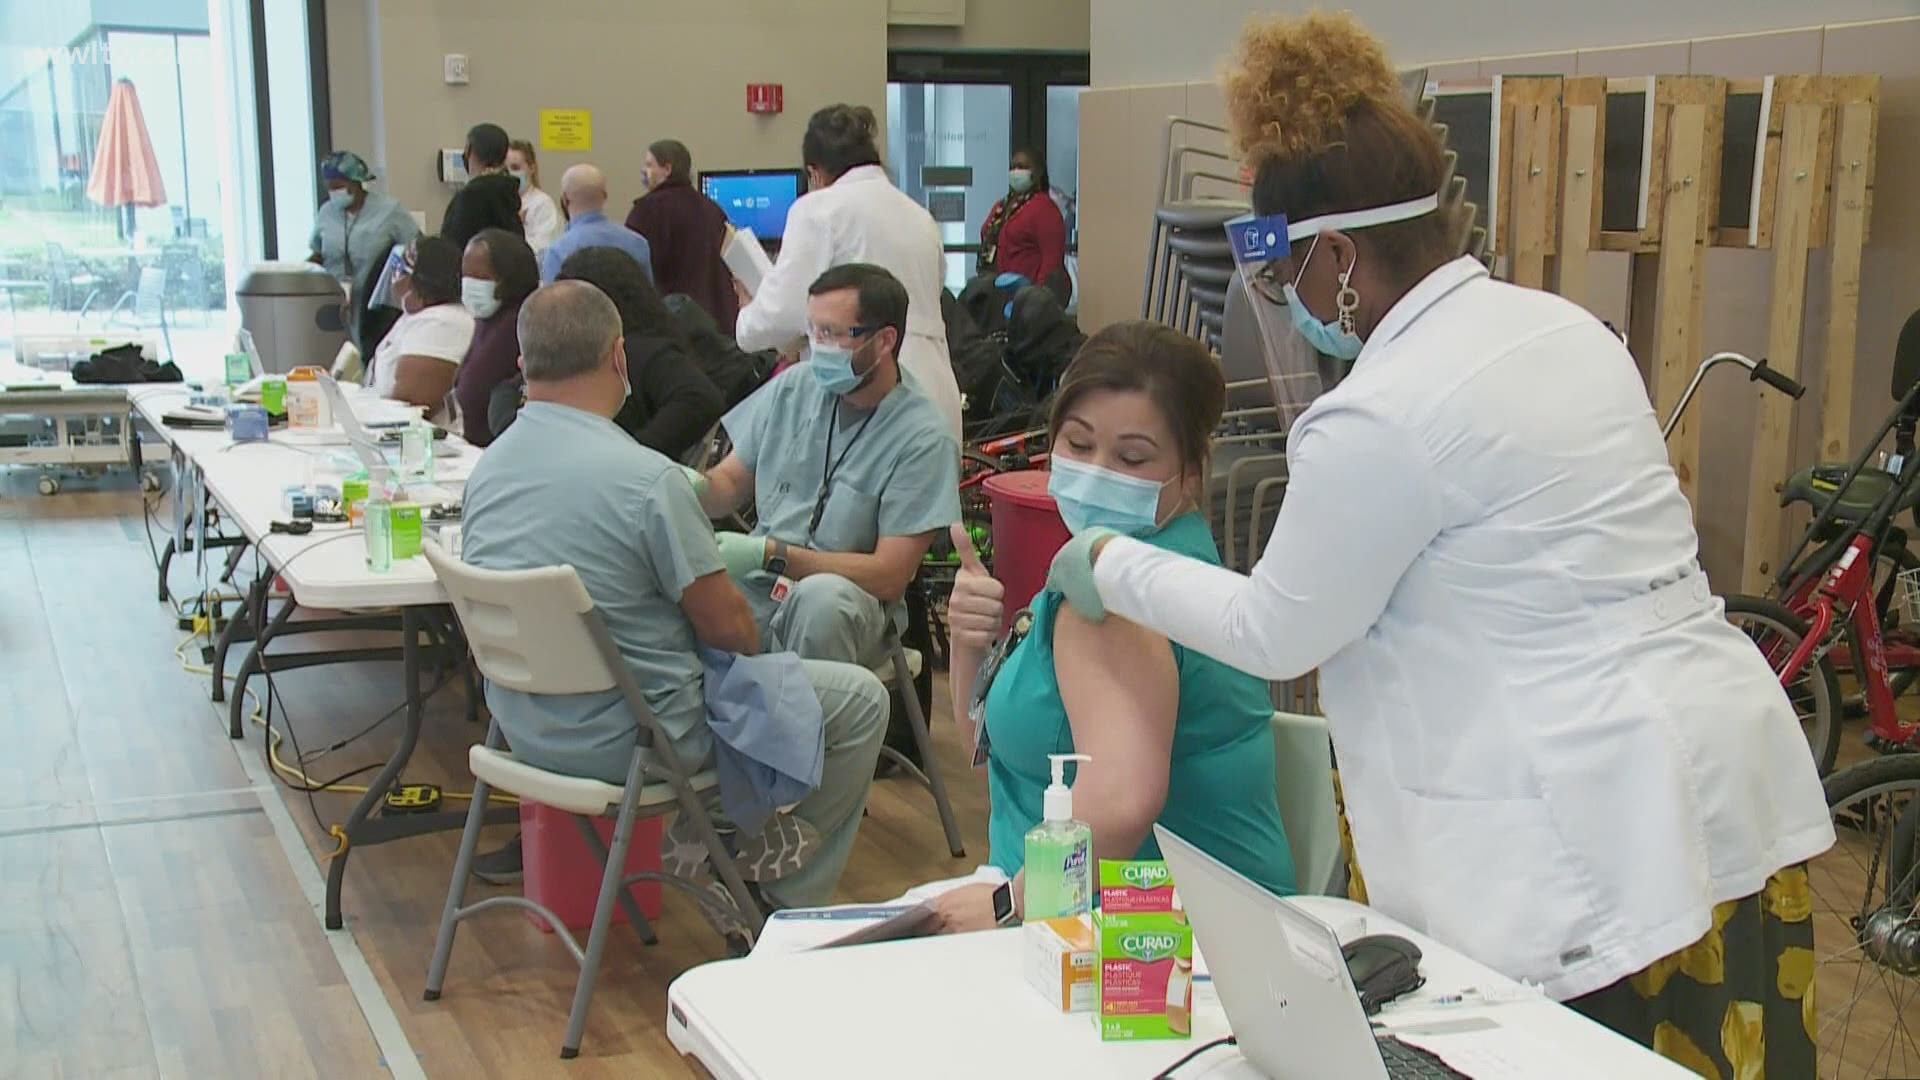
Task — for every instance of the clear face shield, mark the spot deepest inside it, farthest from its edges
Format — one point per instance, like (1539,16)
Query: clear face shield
(383,294)
(1295,370)
(1304,356)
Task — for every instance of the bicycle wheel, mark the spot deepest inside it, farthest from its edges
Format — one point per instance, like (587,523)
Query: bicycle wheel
(1815,694)
(1867,925)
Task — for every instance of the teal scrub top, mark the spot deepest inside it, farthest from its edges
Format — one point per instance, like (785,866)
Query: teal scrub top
(895,470)
(1221,783)
(348,244)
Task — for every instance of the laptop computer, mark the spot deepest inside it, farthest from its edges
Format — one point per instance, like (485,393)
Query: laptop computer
(364,446)
(1283,980)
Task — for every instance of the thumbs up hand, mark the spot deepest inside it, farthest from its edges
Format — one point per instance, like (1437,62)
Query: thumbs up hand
(975,609)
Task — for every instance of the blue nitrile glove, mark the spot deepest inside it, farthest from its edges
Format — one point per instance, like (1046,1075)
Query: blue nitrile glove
(741,553)
(1071,574)
(697,478)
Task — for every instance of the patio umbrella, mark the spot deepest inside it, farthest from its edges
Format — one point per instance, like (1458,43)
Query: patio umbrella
(125,172)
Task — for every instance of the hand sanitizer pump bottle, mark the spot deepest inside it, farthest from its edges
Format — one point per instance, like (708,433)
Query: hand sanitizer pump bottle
(1059,856)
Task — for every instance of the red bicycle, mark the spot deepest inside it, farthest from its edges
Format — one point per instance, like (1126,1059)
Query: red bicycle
(1846,589)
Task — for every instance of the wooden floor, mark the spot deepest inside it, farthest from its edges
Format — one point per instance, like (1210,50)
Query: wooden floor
(150,924)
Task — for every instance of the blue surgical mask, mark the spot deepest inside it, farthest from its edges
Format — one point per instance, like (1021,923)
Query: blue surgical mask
(521,177)
(1324,337)
(480,297)
(833,366)
(1020,181)
(1089,496)
(340,197)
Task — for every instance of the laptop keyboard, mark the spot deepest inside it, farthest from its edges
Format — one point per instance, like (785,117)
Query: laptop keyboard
(1407,1062)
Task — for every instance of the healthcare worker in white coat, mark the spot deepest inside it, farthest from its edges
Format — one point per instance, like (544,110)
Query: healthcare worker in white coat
(1557,755)
(854,214)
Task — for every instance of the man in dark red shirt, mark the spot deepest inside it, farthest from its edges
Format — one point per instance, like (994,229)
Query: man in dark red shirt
(686,230)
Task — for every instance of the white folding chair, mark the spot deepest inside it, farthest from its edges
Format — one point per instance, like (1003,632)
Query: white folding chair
(536,631)
(898,673)
(1303,760)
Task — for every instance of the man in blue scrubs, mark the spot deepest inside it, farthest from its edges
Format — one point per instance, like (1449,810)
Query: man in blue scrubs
(852,472)
(565,485)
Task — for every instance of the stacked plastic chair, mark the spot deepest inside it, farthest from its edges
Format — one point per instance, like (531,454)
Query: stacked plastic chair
(1189,261)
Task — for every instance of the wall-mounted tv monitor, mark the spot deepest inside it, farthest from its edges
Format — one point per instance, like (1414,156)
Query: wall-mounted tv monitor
(756,199)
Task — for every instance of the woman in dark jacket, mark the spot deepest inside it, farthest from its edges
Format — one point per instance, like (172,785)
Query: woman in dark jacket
(673,405)
(497,273)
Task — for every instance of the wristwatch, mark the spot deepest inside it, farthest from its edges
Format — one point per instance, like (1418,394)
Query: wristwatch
(777,558)
(1003,913)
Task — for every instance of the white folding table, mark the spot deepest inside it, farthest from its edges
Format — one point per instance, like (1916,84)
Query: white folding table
(960,1007)
(326,571)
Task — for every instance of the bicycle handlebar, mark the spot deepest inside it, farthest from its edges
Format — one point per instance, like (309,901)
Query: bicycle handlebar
(1777,379)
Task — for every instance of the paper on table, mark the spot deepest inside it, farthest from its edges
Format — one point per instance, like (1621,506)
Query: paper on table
(801,929)
(1495,1052)
(747,259)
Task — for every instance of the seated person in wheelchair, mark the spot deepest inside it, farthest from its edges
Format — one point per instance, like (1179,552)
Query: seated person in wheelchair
(564,485)
(852,473)
(1175,737)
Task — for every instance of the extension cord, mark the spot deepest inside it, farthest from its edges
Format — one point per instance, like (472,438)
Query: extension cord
(259,719)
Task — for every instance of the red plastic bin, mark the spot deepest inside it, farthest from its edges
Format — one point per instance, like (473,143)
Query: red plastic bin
(562,874)
(1027,532)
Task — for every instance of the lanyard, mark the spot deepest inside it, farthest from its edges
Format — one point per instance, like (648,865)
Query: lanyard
(830,467)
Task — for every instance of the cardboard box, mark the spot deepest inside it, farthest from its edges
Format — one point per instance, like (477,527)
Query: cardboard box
(1145,977)
(1061,955)
(1139,887)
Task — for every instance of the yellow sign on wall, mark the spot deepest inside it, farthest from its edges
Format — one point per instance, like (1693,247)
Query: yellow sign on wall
(566,129)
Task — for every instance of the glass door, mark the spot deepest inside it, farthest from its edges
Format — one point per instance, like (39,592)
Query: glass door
(954,121)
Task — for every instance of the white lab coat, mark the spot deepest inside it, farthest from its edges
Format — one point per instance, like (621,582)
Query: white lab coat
(540,217)
(861,217)
(1557,754)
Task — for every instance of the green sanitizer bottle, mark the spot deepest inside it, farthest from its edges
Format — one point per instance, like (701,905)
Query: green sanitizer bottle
(1059,853)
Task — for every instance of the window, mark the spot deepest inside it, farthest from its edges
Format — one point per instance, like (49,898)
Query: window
(130,185)
(954,119)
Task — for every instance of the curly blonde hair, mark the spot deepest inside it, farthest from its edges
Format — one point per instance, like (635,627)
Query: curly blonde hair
(1292,82)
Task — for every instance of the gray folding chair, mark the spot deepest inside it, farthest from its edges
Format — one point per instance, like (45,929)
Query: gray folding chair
(536,631)
(1303,757)
(902,665)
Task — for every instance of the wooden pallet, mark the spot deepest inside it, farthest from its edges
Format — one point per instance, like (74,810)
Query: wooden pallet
(1800,164)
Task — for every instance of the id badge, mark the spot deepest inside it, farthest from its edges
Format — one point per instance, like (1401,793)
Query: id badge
(983,683)
(782,588)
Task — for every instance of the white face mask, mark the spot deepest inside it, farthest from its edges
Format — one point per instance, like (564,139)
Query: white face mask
(480,297)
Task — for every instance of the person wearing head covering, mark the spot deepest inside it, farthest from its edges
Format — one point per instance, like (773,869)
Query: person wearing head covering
(354,228)
(1557,754)
(685,231)
(854,214)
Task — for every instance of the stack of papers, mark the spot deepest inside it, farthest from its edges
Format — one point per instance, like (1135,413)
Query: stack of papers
(747,259)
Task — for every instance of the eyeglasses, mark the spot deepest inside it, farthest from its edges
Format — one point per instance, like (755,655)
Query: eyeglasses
(1271,281)
(828,336)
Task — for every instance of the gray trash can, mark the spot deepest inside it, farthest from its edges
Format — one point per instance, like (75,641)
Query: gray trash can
(293,311)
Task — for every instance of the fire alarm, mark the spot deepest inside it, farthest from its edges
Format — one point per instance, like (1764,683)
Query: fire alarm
(765,98)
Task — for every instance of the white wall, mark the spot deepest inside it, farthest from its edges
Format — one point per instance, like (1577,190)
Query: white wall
(647,70)
(1005,26)
(1136,42)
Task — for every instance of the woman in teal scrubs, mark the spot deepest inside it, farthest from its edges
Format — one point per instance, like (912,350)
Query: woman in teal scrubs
(1175,737)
